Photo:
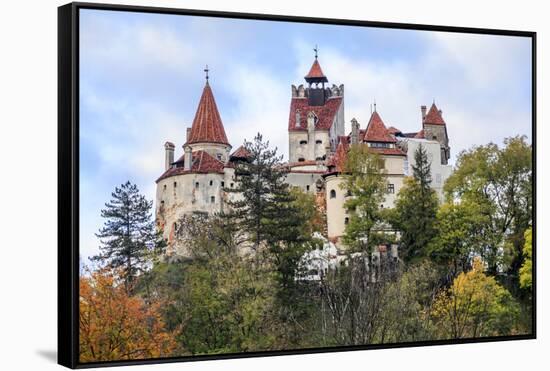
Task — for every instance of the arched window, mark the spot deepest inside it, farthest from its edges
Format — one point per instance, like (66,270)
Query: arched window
(346,221)
(332,193)
(303,142)
(164,188)
(319,141)
(211,182)
(212,199)
(175,184)
(197,185)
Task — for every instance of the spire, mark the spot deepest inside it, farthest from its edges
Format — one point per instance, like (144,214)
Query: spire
(434,116)
(376,130)
(315,73)
(206,72)
(207,125)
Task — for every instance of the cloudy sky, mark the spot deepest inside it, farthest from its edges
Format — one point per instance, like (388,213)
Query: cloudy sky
(141,77)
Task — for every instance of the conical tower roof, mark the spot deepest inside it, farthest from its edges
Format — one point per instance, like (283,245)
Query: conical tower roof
(376,130)
(207,125)
(434,116)
(316,73)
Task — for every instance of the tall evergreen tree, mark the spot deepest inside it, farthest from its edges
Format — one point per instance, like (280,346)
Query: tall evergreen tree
(416,209)
(128,236)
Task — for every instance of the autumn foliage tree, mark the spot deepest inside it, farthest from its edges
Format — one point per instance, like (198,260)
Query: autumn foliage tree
(116,326)
(475,306)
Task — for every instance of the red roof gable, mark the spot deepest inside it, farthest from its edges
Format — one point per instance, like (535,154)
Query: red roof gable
(240,152)
(434,117)
(207,125)
(325,114)
(376,130)
(338,161)
(202,162)
(315,72)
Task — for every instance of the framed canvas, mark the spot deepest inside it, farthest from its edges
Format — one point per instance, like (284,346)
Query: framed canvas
(237,185)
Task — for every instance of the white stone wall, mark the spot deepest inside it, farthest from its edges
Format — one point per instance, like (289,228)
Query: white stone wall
(297,150)
(180,195)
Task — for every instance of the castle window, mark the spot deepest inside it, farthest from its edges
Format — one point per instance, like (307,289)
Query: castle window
(391,188)
(211,182)
(162,203)
(219,156)
(319,141)
(346,221)
(307,188)
(301,159)
(231,185)
(212,199)
(164,188)
(223,184)
(175,184)
(303,142)
(197,185)
(434,137)
(332,193)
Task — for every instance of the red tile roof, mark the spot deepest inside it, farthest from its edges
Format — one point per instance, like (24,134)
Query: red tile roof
(376,130)
(315,72)
(387,151)
(420,134)
(434,117)
(338,161)
(203,163)
(325,114)
(207,125)
(240,152)
(393,130)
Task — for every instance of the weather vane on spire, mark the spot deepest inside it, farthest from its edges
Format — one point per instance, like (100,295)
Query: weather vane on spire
(206,71)
(316,50)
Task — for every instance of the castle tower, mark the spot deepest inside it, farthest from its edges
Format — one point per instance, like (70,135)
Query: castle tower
(207,132)
(435,128)
(316,118)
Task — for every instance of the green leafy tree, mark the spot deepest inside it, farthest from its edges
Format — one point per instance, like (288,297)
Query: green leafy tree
(366,186)
(415,209)
(499,180)
(128,237)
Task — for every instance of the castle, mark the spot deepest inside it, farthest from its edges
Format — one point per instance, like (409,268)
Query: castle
(318,148)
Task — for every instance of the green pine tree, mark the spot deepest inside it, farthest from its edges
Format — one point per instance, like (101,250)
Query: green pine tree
(128,238)
(416,209)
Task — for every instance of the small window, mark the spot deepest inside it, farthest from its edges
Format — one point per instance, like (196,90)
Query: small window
(434,137)
(223,184)
(303,142)
(164,188)
(319,141)
(346,221)
(381,206)
(231,185)
(332,193)
(162,203)
(175,184)
(391,188)
(301,159)
(212,199)
(307,188)
(219,156)
(211,182)
(197,185)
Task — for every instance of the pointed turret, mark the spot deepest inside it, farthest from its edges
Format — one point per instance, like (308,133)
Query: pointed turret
(315,73)
(434,116)
(377,131)
(207,125)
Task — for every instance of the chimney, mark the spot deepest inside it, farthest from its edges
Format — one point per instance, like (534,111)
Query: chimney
(187,134)
(354,131)
(168,155)
(187,157)
(423,109)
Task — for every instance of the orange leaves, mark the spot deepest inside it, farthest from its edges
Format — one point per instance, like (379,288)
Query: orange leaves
(116,326)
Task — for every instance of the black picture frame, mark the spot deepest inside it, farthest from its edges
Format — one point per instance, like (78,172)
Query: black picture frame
(68,178)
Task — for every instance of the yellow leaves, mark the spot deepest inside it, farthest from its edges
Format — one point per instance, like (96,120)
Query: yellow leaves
(115,326)
(475,305)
